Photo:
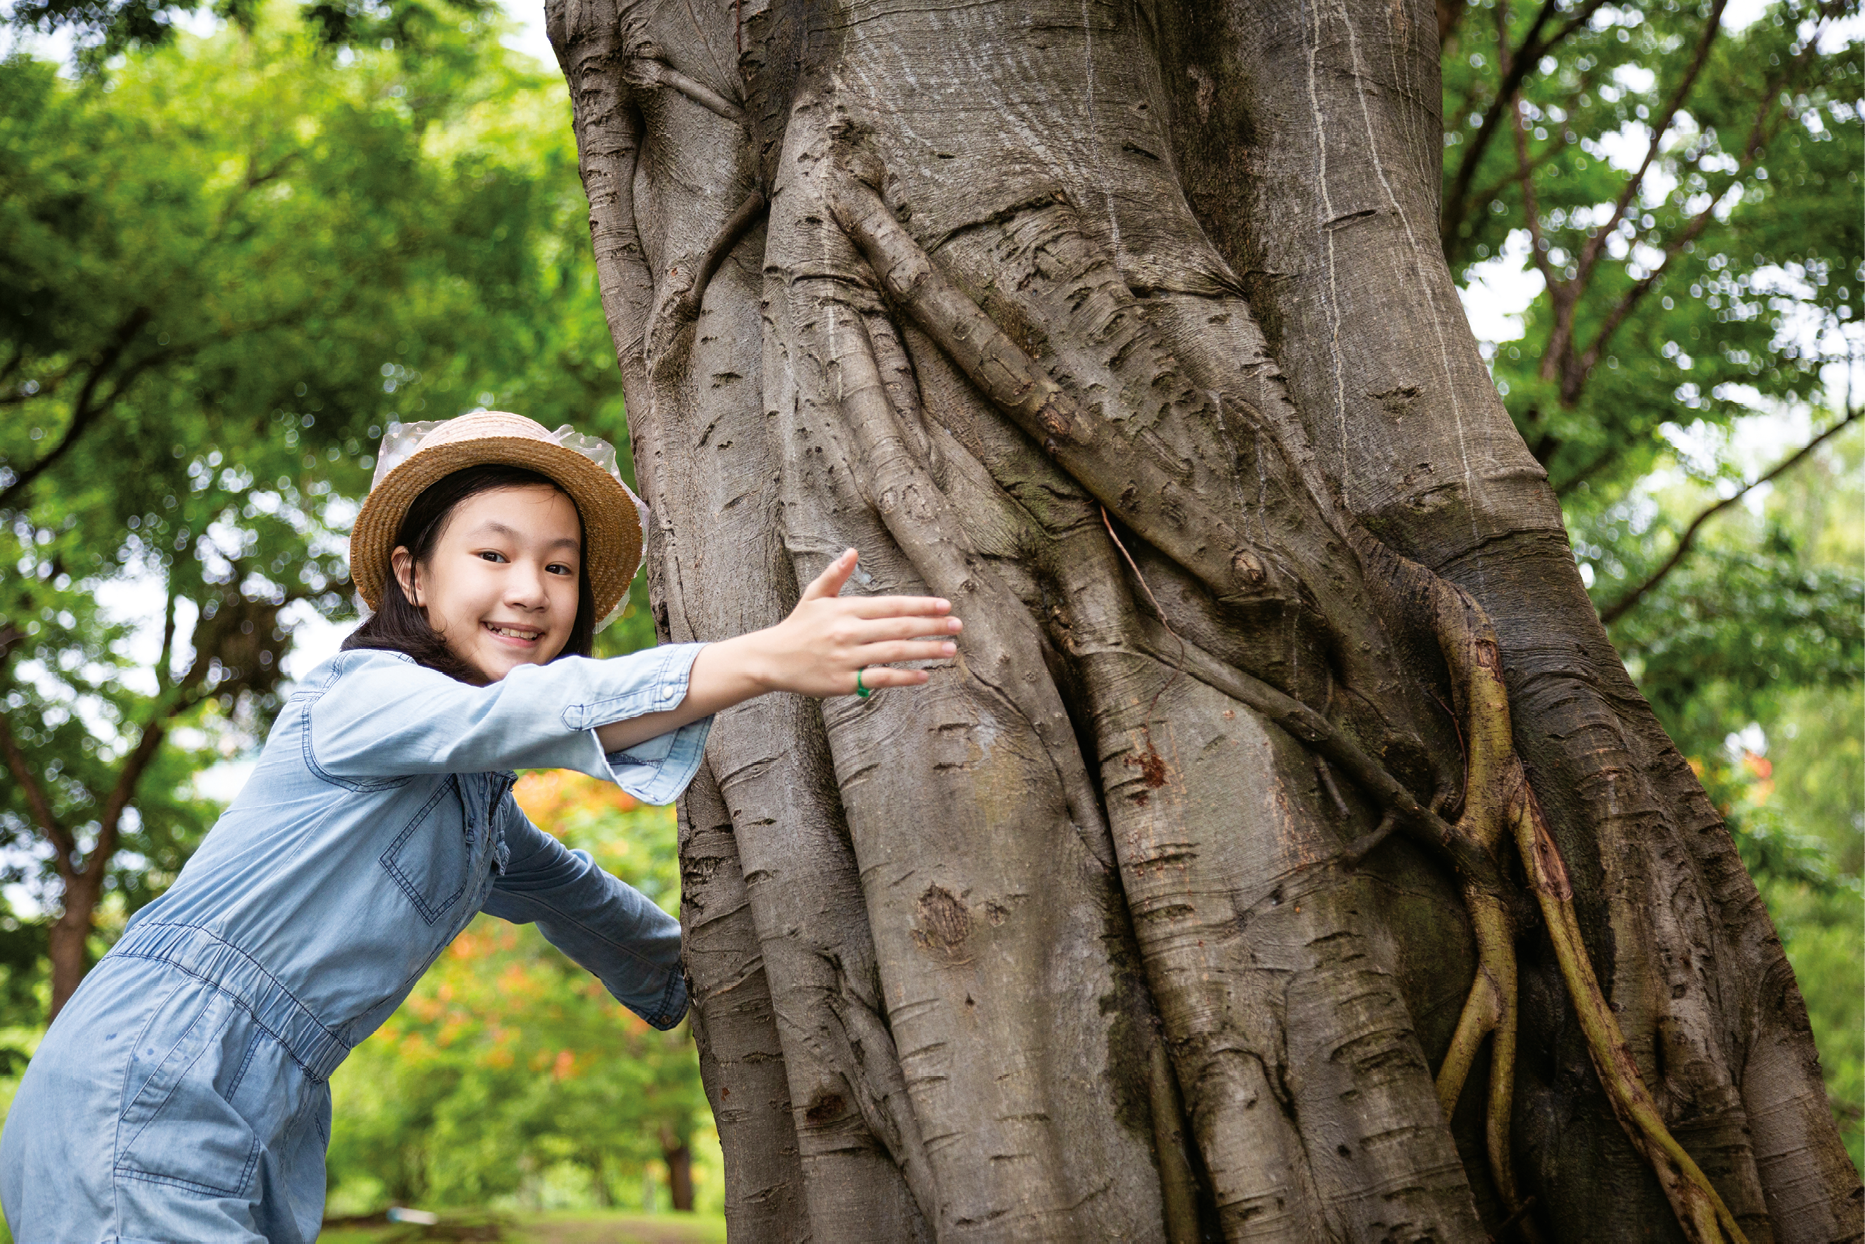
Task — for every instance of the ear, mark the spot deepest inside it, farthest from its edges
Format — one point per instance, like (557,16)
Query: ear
(401,561)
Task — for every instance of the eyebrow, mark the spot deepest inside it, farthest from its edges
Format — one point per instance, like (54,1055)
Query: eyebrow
(498,528)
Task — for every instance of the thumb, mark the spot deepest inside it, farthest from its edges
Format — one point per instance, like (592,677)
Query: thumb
(829,582)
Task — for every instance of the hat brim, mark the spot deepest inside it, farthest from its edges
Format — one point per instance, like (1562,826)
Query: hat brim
(611,523)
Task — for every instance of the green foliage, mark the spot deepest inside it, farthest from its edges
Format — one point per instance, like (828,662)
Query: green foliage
(1727,279)
(1818,767)
(1742,627)
(102,29)
(228,265)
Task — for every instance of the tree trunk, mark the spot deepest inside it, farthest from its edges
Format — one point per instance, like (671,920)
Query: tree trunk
(1286,855)
(68,939)
(678,1155)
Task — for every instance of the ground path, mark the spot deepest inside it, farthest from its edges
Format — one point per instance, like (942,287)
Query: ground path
(543,1229)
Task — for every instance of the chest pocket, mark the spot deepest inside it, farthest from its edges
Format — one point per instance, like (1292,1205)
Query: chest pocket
(432,856)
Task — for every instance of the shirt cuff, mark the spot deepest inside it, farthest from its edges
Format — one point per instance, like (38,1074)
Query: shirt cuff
(656,771)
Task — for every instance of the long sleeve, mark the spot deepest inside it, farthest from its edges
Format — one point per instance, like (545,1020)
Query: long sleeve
(603,923)
(377,717)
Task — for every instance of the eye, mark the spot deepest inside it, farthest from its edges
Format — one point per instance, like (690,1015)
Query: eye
(560,568)
(491,556)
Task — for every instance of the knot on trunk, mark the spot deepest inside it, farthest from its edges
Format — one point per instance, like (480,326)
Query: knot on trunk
(943,923)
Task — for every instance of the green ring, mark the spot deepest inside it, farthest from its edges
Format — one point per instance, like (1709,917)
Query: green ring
(863,692)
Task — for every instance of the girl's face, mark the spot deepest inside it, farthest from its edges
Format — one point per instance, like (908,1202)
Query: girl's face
(500,585)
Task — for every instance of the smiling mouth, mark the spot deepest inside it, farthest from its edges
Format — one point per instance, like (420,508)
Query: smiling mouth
(524,633)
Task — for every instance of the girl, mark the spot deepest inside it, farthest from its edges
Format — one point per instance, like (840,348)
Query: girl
(182,1095)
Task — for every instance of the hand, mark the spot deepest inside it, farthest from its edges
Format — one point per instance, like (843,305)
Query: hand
(814,651)
(827,638)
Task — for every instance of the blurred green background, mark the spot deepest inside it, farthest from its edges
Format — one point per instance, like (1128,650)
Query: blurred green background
(236,245)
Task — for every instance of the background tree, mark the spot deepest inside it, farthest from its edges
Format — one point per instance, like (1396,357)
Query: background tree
(1126,328)
(227,266)
(1718,275)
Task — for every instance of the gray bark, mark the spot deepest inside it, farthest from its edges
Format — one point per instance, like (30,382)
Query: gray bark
(1126,328)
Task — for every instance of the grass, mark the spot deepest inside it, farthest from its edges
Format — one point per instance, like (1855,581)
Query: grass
(550,1228)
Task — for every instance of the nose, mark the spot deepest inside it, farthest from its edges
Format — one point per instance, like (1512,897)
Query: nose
(525,588)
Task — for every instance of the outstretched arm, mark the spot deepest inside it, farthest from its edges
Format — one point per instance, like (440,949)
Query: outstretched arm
(815,651)
(598,920)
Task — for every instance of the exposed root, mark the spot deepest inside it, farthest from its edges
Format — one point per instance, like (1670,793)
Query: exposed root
(1362,847)
(1178,1187)
(678,305)
(1497,802)
(1490,1010)
(651,71)
(1423,824)
(1121,475)
(920,519)
(731,233)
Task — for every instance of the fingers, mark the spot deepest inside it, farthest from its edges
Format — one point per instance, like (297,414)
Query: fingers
(897,606)
(875,677)
(829,583)
(907,650)
(880,630)
(834,575)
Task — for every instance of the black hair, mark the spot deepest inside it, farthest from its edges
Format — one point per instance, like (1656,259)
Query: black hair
(401,626)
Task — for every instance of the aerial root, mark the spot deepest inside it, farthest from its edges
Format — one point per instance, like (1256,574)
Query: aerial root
(730,234)
(1700,1211)
(682,292)
(1490,1010)
(1499,803)
(921,520)
(1123,475)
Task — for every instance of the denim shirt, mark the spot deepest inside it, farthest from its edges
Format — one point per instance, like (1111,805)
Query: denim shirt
(380,820)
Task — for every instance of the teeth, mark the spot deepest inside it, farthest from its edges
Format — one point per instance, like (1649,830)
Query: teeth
(515,634)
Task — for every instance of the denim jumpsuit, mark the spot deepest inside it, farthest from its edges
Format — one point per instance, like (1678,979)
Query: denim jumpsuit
(182,1096)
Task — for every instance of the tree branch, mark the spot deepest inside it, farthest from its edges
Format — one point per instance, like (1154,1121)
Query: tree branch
(646,71)
(1590,253)
(1585,473)
(128,778)
(12,367)
(1618,609)
(163,676)
(1531,212)
(677,308)
(85,410)
(255,178)
(1122,476)
(37,799)
(1758,137)
(1496,187)
(1456,203)
(731,233)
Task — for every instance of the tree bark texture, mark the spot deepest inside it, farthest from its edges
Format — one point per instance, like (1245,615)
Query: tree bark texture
(1287,855)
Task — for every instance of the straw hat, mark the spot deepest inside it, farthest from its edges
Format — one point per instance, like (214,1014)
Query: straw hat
(416,455)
